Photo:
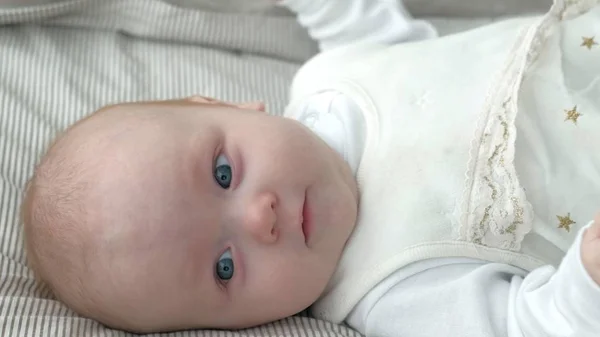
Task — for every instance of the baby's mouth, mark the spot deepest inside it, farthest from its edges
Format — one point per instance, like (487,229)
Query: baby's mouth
(306,220)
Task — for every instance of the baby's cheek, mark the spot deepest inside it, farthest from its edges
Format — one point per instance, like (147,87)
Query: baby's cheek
(296,278)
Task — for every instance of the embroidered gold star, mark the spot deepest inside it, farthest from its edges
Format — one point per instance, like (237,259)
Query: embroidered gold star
(573,114)
(565,222)
(588,42)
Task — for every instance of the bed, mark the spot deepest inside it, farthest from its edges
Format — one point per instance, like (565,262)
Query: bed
(61,59)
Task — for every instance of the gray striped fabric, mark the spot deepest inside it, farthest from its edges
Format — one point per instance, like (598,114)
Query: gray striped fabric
(52,75)
(273,35)
(75,56)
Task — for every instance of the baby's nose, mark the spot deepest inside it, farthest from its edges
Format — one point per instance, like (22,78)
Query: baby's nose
(260,218)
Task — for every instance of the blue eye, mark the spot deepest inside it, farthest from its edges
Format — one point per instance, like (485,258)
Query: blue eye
(224,267)
(222,172)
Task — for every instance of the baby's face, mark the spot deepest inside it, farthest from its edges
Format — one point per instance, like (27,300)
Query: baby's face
(213,216)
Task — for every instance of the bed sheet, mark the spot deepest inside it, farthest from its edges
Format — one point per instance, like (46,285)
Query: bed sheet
(76,56)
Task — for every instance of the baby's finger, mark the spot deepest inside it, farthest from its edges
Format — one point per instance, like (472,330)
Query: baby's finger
(595,227)
(592,233)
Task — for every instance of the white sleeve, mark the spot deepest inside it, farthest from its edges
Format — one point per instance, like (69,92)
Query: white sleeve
(340,22)
(559,303)
(464,297)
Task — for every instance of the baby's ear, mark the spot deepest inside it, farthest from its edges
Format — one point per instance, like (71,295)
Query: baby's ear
(256,106)
(201,99)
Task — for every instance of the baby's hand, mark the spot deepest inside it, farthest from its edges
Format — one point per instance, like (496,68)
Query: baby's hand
(590,250)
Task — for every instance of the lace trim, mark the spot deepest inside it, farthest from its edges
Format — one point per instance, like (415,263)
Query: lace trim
(493,210)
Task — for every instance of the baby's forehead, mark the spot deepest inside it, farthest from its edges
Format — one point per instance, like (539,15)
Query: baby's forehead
(131,158)
(161,241)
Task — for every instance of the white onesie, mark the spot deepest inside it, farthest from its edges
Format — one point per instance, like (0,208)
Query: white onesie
(466,296)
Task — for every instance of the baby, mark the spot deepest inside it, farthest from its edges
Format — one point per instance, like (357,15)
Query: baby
(394,195)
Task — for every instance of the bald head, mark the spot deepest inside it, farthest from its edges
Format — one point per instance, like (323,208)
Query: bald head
(82,203)
(63,223)
(97,212)
(131,213)
(55,215)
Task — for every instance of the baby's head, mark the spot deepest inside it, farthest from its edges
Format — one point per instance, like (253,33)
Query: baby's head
(188,214)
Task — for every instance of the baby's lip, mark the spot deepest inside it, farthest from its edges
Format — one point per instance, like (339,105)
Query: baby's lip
(306,220)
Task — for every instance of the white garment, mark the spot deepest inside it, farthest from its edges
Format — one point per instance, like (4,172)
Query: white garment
(470,298)
(337,121)
(338,22)
(459,296)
